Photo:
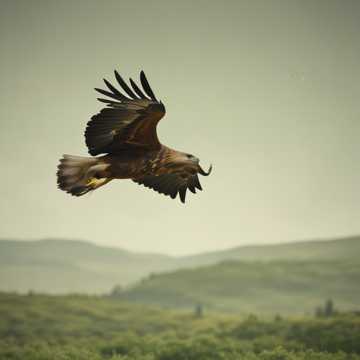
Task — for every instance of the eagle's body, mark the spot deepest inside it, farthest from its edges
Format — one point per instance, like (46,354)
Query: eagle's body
(126,132)
(136,164)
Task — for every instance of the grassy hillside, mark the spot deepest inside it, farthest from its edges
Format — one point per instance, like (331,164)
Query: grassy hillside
(93,328)
(61,266)
(331,249)
(254,287)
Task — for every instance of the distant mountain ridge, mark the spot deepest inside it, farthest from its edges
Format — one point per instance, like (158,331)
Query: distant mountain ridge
(63,266)
(320,249)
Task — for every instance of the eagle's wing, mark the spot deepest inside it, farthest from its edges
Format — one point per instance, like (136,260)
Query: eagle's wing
(128,121)
(171,184)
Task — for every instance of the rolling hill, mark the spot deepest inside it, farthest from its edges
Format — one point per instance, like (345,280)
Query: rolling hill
(64,266)
(284,287)
(287,278)
(329,249)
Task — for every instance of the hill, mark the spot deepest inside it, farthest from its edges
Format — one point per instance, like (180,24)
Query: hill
(329,249)
(254,287)
(64,266)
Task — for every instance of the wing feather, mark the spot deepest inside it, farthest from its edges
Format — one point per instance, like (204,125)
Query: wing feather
(137,89)
(146,86)
(124,85)
(106,101)
(111,95)
(170,184)
(115,91)
(126,122)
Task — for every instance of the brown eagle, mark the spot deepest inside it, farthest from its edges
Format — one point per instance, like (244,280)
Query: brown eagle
(125,131)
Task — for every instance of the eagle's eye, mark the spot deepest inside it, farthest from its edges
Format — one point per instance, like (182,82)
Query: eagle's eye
(192,158)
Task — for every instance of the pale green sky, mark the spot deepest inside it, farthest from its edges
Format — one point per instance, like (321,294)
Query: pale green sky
(268,91)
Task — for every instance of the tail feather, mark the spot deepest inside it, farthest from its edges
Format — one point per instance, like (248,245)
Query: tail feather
(77,174)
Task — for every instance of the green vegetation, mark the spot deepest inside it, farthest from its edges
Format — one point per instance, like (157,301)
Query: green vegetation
(295,287)
(38,327)
(77,266)
(83,267)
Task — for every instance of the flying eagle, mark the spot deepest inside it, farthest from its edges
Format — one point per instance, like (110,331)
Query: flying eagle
(125,131)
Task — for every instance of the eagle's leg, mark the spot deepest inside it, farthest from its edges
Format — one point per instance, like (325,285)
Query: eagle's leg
(95,182)
(96,176)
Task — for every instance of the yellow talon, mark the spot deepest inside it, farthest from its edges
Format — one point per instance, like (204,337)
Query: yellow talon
(91,182)
(95,183)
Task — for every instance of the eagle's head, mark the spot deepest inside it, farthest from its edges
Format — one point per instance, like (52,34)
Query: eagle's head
(195,162)
(174,172)
(187,163)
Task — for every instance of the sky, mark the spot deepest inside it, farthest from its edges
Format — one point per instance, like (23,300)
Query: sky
(267,91)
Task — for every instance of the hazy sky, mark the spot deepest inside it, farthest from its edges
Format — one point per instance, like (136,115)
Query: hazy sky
(267,91)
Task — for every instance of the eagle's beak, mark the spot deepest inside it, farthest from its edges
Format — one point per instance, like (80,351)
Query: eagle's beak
(202,172)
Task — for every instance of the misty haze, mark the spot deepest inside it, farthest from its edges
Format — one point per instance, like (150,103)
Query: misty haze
(262,264)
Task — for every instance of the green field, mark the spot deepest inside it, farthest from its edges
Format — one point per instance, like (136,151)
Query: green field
(284,287)
(36,327)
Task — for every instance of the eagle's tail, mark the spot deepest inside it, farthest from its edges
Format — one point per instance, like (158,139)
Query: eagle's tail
(77,174)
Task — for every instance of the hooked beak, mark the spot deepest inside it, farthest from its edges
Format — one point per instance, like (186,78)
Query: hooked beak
(203,173)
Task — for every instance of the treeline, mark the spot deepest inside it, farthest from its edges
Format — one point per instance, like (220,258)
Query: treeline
(93,328)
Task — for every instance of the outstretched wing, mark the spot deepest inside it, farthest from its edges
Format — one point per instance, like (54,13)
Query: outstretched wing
(171,184)
(128,121)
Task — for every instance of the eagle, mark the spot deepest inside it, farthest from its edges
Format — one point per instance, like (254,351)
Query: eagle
(124,134)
